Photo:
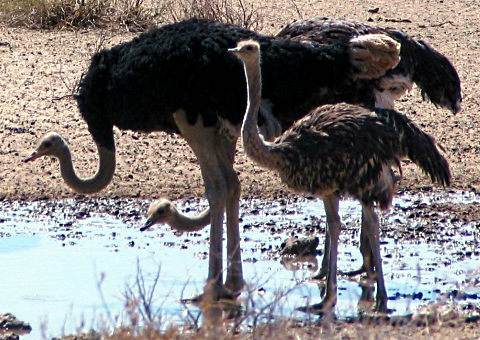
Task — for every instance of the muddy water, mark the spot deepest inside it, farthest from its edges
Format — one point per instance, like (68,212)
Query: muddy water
(66,264)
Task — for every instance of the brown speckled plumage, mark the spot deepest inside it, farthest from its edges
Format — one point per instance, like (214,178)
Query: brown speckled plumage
(343,149)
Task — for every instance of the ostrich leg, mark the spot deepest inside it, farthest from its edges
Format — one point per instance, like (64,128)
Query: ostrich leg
(334,225)
(366,251)
(323,272)
(226,153)
(329,261)
(372,232)
(204,142)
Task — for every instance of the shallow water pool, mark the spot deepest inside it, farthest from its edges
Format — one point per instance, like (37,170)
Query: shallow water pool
(66,264)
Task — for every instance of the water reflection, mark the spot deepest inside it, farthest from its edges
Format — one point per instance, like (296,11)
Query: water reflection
(53,255)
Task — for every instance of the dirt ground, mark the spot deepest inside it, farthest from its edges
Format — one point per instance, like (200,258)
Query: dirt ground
(37,66)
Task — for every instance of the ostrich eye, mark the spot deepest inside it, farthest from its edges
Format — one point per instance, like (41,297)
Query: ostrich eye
(249,48)
(47,144)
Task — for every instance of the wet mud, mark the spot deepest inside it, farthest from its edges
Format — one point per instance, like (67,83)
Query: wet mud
(69,262)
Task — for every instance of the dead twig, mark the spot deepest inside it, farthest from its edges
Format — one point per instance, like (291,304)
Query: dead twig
(297,9)
(442,24)
(67,96)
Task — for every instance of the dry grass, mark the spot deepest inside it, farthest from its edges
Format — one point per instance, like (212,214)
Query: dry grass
(255,318)
(238,12)
(132,15)
(53,13)
(289,329)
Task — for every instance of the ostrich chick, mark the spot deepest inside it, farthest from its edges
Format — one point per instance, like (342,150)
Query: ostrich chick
(420,64)
(338,150)
(164,211)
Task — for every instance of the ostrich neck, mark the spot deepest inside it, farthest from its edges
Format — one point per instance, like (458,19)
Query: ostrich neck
(184,223)
(254,145)
(90,185)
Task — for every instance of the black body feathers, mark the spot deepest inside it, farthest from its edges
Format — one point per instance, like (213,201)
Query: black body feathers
(433,73)
(138,85)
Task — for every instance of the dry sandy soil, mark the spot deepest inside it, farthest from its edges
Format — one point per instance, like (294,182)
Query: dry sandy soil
(37,66)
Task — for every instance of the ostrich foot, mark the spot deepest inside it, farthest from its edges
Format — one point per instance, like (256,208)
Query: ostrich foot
(381,306)
(373,55)
(351,273)
(355,272)
(367,294)
(321,275)
(324,308)
(213,296)
(234,286)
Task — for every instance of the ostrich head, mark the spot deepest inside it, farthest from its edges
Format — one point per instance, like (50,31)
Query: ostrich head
(159,212)
(248,51)
(52,144)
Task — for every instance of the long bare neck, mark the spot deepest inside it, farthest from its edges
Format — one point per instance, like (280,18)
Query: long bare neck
(90,185)
(255,147)
(184,223)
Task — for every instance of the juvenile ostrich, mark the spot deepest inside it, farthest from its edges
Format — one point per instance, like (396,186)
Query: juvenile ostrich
(179,78)
(338,150)
(164,211)
(430,70)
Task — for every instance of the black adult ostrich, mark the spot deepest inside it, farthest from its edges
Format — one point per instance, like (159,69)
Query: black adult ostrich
(433,73)
(180,78)
(337,150)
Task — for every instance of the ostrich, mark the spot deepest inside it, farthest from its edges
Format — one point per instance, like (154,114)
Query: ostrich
(179,78)
(433,73)
(164,211)
(430,70)
(337,150)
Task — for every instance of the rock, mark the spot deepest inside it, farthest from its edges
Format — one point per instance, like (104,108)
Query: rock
(9,336)
(8,322)
(300,246)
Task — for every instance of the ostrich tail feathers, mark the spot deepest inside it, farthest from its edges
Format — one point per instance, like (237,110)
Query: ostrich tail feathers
(419,147)
(431,71)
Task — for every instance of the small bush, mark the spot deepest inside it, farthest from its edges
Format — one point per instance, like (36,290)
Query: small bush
(54,13)
(136,15)
(237,12)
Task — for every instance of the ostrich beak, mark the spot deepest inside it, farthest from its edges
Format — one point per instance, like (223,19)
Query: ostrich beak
(457,107)
(147,224)
(32,157)
(234,50)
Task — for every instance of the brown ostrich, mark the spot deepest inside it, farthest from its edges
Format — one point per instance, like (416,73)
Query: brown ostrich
(419,64)
(339,150)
